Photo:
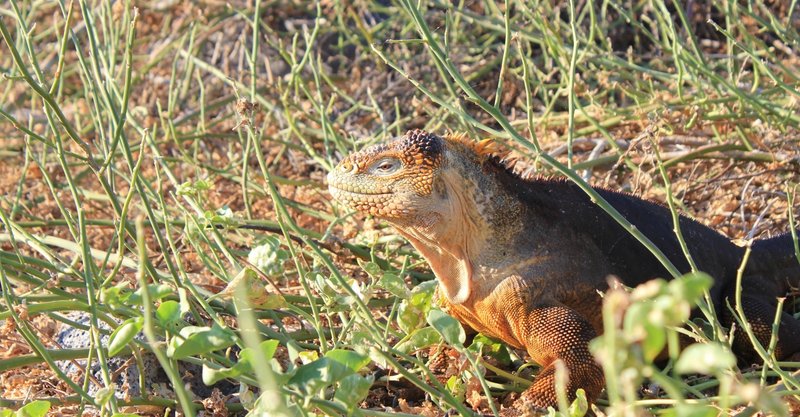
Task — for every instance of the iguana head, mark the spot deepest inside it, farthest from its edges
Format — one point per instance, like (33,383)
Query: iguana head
(392,181)
(436,193)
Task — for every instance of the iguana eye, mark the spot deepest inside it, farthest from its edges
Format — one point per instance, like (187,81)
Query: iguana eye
(385,166)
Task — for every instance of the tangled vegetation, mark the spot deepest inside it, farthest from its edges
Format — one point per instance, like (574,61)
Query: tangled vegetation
(162,187)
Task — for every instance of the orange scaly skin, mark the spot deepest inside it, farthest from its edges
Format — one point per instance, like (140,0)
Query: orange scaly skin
(523,260)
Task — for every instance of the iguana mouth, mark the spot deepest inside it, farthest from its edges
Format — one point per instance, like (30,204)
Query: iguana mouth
(381,205)
(338,191)
(345,191)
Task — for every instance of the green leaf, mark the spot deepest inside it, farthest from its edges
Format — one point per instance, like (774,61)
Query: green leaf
(267,347)
(387,280)
(104,395)
(487,346)
(211,376)
(394,284)
(34,409)
(419,339)
(352,390)
(268,256)
(335,366)
(427,287)
(123,334)
(156,291)
(371,268)
(649,290)
(690,287)
(704,358)
(353,360)
(169,314)
(116,295)
(655,341)
(202,185)
(272,404)
(225,213)
(644,324)
(308,356)
(692,410)
(273,302)
(411,312)
(324,285)
(4,412)
(448,327)
(185,188)
(409,316)
(249,285)
(200,340)
(580,406)
(244,366)
(319,374)
(456,387)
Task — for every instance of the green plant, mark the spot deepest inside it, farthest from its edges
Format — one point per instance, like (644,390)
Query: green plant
(158,157)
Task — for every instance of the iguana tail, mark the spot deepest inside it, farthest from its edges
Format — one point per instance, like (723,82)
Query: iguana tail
(773,271)
(779,258)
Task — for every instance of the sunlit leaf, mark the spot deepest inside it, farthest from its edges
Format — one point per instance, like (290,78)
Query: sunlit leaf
(705,358)
(243,366)
(34,409)
(451,330)
(200,340)
(123,334)
(169,314)
(394,284)
(155,291)
(419,339)
(353,360)
(352,390)
(580,406)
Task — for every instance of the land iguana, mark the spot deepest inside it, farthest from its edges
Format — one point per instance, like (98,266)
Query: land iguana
(524,260)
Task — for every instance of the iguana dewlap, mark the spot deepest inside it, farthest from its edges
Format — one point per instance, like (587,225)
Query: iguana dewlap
(523,260)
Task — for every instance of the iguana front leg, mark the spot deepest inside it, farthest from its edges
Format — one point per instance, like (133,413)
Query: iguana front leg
(516,314)
(550,333)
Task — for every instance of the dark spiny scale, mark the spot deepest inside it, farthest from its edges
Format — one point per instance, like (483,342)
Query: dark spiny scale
(369,154)
(363,158)
(428,144)
(378,149)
